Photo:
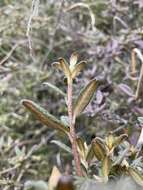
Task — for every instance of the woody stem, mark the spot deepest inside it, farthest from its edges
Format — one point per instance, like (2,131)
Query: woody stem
(72,129)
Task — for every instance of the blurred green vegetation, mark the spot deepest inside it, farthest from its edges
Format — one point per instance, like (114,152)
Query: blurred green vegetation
(104,33)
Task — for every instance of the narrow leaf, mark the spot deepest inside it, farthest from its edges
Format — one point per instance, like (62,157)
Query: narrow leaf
(44,116)
(106,165)
(55,88)
(90,154)
(65,67)
(63,146)
(85,97)
(78,69)
(80,143)
(136,176)
(99,149)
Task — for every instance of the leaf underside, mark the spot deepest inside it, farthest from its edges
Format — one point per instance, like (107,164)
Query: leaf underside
(44,116)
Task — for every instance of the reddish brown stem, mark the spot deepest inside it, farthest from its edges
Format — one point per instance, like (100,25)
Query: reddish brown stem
(72,130)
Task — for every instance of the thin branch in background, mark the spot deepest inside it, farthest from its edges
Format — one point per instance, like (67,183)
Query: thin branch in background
(34,12)
(2,62)
(137,52)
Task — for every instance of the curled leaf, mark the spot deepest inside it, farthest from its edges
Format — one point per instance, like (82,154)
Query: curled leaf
(63,65)
(84,98)
(44,116)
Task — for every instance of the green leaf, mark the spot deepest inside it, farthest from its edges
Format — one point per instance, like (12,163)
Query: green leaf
(99,149)
(85,97)
(136,176)
(78,68)
(44,116)
(55,88)
(63,146)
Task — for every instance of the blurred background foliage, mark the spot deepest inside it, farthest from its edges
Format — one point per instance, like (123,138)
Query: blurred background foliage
(103,32)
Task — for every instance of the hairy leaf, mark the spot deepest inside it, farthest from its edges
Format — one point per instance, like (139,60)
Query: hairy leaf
(44,116)
(85,97)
